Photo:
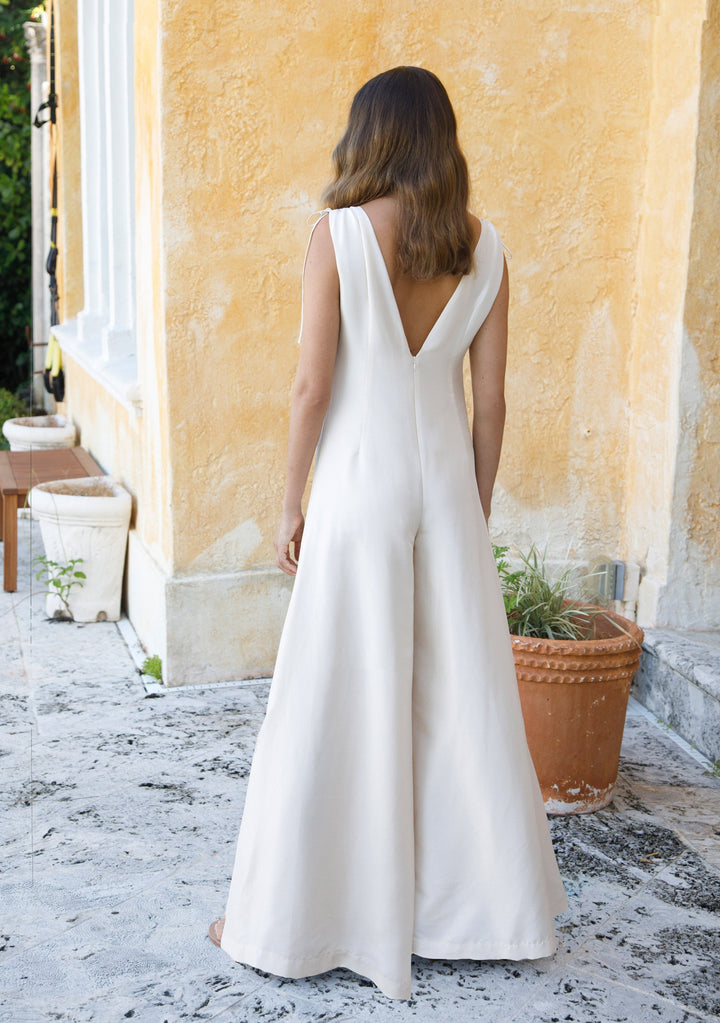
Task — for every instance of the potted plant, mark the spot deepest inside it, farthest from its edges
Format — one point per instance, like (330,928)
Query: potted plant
(36,433)
(84,521)
(574,663)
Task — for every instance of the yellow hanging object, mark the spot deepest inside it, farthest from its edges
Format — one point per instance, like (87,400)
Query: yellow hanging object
(54,359)
(53,376)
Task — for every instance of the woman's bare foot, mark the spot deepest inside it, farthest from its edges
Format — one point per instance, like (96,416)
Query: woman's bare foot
(215,931)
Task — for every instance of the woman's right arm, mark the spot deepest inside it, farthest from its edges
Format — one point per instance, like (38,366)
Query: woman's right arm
(313,382)
(488,354)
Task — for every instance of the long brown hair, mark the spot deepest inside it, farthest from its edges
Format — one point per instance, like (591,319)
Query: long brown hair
(401,140)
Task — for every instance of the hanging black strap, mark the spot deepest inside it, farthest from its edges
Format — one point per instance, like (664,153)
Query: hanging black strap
(54,384)
(51,106)
(51,261)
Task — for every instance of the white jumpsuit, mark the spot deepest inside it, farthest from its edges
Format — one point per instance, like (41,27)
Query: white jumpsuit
(392,806)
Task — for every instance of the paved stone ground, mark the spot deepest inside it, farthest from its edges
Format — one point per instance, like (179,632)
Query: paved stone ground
(121,805)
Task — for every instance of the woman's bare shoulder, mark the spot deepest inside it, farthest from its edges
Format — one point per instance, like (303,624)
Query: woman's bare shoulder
(320,246)
(476,225)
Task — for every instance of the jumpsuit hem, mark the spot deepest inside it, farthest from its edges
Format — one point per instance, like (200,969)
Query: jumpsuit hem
(300,967)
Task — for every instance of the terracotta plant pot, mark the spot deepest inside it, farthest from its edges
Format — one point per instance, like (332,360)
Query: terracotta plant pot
(574,696)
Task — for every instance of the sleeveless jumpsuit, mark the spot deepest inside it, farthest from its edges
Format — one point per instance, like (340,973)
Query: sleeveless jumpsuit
(392,805)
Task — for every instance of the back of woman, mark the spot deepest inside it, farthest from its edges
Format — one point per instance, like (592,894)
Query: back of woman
(392,806)
(396,432)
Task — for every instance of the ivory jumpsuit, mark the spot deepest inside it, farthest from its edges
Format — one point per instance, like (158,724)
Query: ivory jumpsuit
(392,805)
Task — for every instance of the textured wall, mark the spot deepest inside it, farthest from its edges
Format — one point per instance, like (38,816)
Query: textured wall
(553,110)
(670,518)
(568,114)
(66,139)
(562,98)
(155,521)
(692,598)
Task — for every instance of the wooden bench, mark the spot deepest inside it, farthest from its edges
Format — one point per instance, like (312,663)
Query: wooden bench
(20,471)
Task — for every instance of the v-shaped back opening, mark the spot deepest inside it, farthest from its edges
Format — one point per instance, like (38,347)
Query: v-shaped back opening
(391,290)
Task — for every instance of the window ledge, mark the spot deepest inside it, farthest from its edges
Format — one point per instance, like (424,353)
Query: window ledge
(118,376)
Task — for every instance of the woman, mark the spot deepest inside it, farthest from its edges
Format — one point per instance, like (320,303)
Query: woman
(392,806)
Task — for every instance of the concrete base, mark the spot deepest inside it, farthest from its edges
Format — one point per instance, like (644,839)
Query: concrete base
(679,680)
(206,627)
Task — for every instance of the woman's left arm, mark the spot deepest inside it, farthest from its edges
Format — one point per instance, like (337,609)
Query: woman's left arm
(488,355)
(313,382)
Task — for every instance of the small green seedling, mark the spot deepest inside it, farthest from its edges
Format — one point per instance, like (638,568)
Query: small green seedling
(152,666)
(59,579)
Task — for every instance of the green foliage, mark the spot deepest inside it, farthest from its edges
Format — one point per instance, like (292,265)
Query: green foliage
(11,407)
(15,198)
(59,579)
(536,604)
(508,579)
(152,666)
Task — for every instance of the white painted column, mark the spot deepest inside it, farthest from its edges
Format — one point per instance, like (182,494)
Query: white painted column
(118,335)
(93,112)
(35,40)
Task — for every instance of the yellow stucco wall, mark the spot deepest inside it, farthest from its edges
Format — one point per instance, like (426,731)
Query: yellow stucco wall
(554,123)
(567,113)
(156,521)
(66,142)
(693,599)
(672,387)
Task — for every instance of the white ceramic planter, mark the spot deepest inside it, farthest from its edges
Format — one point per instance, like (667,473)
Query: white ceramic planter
(89,519)
(39,432)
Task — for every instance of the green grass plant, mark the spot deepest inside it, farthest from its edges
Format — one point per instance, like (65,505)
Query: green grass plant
(537,603)
(152,666)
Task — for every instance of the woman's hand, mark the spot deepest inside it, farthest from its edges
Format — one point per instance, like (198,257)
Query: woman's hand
(289,531)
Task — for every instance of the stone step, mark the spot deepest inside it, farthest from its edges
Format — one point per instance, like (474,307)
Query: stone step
(679,681)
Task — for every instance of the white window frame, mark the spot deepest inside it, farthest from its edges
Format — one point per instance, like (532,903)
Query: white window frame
(102,338)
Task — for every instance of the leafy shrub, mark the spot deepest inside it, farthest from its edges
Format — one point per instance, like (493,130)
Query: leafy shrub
(15,197)
(11,407)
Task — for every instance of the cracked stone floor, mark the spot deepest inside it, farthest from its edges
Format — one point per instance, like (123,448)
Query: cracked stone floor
(121,805)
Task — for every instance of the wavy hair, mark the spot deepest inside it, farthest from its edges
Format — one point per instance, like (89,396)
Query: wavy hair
(401,140)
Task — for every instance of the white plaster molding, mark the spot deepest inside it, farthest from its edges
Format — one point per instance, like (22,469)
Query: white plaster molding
(93,112)
(102,339)
(35,40)
(118,334)
(206,627)
(118,376)
(145,584)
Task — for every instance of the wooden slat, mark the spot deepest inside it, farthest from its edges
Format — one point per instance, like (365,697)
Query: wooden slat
(9,512)
(21,470)
(87,462)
